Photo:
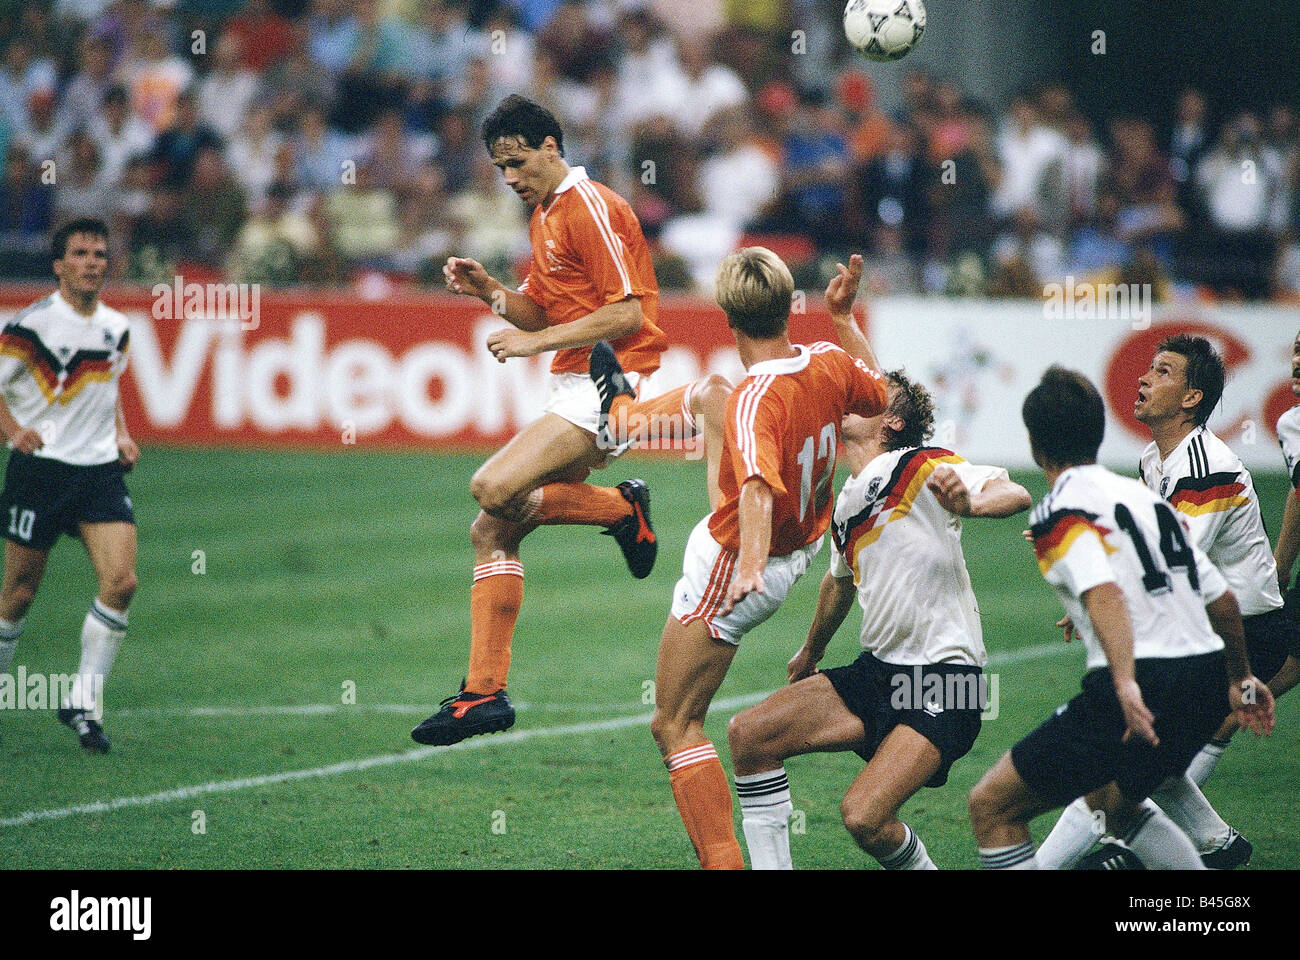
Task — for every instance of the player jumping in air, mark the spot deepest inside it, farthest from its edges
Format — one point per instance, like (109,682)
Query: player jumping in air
(1164,642)
(778,459)
(590,279)
(910,705)
(1205,482)
(60,361)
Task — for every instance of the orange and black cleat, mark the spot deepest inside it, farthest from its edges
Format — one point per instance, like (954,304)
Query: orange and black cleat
(633,533)
(466,715)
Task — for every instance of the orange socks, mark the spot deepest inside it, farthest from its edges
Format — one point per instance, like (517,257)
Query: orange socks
(703,798)
(580,503)
(494,604)
(660,419)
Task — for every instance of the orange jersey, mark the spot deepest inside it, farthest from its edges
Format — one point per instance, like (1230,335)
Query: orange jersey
(588,251)
(783,422)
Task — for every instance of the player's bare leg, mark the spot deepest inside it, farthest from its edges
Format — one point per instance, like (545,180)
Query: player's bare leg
(112,550)
(24,567)
(1001,806)
(691,667)
(810,717)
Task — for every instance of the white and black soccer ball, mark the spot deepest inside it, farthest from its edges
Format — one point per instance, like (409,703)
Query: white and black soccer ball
(884,29)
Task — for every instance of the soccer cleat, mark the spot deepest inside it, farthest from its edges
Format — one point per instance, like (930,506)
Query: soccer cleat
(611,382)
(633,533)
(90,733)
(1233,854)
(1110,855)
(466,715)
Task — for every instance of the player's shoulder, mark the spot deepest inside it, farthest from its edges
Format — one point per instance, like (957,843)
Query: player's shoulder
(32,315)
(1210,464)
(115,318)
(1216,456)
(1288,426)
(1085,493)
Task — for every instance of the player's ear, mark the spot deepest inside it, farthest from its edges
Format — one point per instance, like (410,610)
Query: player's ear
(1192,399)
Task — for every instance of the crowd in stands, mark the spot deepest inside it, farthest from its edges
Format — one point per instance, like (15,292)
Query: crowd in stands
(315,141)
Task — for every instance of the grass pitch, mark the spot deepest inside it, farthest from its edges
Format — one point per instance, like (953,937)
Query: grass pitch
(277,587)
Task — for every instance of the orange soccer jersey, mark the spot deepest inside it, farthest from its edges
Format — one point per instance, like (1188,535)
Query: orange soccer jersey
(783,423)
(588,251)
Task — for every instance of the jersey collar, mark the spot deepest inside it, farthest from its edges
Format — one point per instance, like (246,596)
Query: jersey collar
(574,175)
(1178,454)
(58,298)
(788,365)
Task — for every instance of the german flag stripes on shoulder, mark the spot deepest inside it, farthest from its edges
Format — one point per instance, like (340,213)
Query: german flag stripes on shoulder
(893,502)
(1213,493)
(1056,533)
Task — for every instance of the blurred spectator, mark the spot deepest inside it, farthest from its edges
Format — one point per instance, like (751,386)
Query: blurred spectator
(573,41)
(1032,158)
(119,134)
(458,148)
(251,155)
(488,221)
(264,37)
(85,91)
(44,134)
(869,128)
(226,92)
(157,78)
(1097,243)
(175,149)
(707,87)
(893,191)
(1085,164)
(424,240)
(959,196)
(215,207)
(26,203)
(391,155)
(815,171)
(512,50)
(82,190)
(362,220)
(1189,140)
(332,35)
(82,11)
(161,239)
(296,82)
(277,245)
(441,46)
(21,76)
(321,153)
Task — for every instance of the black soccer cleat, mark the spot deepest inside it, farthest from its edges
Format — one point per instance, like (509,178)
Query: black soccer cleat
(90,733)
(1233,854)
(611,382)
(1110,856)
(466,715)
(634,534)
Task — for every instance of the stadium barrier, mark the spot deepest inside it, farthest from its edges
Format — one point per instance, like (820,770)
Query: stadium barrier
(338,371)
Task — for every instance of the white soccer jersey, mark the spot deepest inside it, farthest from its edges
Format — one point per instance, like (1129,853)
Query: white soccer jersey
(1288,435)
(58,375)
(1097,527)
(1208,485)
(903,549)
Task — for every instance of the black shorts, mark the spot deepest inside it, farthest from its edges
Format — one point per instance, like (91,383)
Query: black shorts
(1269,638)
(1079,748)
(45,498)
(941,701)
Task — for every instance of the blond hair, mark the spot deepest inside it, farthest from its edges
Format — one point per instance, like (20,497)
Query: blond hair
(754,289)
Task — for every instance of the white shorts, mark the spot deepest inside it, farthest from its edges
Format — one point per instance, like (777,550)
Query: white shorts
(706,575)
(573,397)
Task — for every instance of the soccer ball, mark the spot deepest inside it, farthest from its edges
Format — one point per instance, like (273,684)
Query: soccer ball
(884,29)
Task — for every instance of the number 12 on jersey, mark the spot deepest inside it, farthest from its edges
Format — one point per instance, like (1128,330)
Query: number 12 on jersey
(825,450)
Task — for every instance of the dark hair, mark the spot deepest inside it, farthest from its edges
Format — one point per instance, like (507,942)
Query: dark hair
(91,225)
(517,116)
(1065,418)
(1204,371)
(912,404)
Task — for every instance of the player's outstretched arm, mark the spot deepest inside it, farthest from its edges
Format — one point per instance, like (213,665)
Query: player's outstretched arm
(755,538)
(23,438)
(840,294)
(1252,701)
(1109,615)
(996,498)
(610,322)
(1288,540)
(834,601)
(467,276)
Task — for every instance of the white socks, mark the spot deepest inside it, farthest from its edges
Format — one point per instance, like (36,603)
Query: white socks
(1159,844)
(912,855)
(1203,763)
(101,635)
(1072,837)
(765,807)
(1186,805)
(1018,857)
(9,632)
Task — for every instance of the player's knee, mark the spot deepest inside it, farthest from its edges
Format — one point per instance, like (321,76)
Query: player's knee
(747,736)
(863,821)
(982,804)
(119,588)
(19,597)
(492,495)
(711,398)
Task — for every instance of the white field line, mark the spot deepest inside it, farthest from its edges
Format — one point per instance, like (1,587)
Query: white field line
(409,756)
(998,659)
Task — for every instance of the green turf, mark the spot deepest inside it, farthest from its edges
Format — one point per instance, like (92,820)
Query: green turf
(324,572)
